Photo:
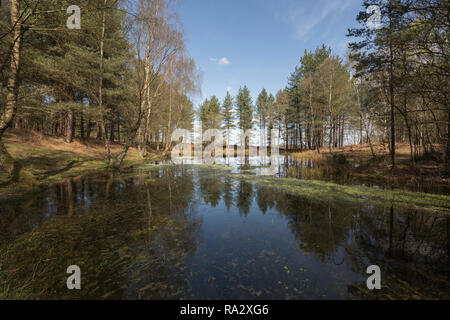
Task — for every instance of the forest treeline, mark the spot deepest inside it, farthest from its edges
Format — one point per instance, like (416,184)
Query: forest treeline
(391,88)
(125,76)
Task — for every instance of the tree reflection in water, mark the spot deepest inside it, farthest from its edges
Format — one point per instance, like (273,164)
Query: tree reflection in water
(182,232)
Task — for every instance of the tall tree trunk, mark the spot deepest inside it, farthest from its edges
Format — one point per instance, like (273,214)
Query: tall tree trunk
(301,136)
(68,137)
(7,162)
(118,130)
(169,122)
(286,135)
(447,153)
(168,138)
(313,127)
(308,134)
(111,132)
(82,126)
(145,101)
(99,133)
(100,89)
(331,138)
(88,128)
(157,140)
(269,136)
(361,141)
(61,124)
(295,136)
(408,127)
(391,87)
(366,127)
(330,110)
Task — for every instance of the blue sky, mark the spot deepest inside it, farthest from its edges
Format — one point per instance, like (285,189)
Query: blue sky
(258,43)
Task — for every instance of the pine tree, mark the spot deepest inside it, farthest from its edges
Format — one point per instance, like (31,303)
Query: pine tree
(261,110)
(203,113)
(376,52)
(210,113)
(301,108)
(333,90)
(228,116)
(282,113)
(244,106)
(215,114)
(270,118)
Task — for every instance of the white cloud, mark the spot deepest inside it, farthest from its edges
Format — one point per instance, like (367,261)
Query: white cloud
(221,61)
(224,61)
(229,89)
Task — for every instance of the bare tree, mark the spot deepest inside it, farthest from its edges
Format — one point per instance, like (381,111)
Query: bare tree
(158,35)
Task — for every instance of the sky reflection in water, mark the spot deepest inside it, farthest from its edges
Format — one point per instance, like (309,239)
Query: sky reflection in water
(197,233)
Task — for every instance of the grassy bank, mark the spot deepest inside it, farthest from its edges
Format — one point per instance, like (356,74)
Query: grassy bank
(47,160)
(361,164)
(331,192)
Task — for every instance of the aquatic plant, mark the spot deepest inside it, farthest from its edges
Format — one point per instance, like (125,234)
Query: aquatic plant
(327,191)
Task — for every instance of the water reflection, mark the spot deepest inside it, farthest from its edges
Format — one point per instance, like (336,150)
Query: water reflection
(337,171)
(180,232)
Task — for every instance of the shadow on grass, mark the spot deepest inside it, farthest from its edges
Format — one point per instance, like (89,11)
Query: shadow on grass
(69,166)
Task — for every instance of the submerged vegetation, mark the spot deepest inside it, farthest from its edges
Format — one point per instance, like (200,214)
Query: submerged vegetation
(332,192)
(173,232)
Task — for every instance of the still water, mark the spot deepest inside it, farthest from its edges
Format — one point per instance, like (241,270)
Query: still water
(192,232)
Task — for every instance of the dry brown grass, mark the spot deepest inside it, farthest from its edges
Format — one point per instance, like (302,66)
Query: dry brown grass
(49,159)
(363,151)
(424,170)
(88,147)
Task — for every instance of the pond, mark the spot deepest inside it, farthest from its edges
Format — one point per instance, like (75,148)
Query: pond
(325,169)
(197,232)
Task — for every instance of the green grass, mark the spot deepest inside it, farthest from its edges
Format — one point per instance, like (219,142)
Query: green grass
(212,167)
(327,191)
(45,165)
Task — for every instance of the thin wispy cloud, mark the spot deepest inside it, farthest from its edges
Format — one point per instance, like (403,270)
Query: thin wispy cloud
(313,17)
